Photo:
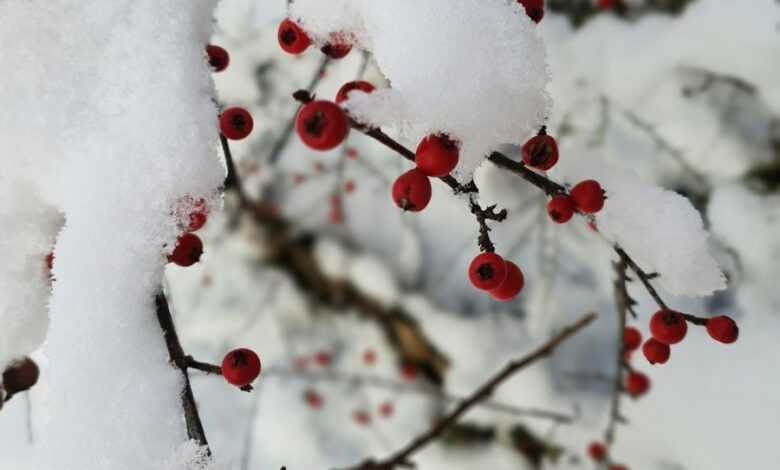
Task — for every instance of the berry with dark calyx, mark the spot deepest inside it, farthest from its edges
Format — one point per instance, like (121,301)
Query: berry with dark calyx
(188,250)
(408,371)
(20,376)
(322,125)
(236,123)
(636,384)
(560,208)
(597,451)
(412,191)
(437,155)
(588,197)
(540,152)
(241,367)
(292,38)
(534,9)
(218,57)
(668,326)
(723,329)
(512,285)
(386,409)
(632,338)
(359,85)
(336,49)
(313,399)
(656,352)
(361,417)
(487,271)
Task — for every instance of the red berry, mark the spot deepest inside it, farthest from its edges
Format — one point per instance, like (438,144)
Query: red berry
(588,196)
(188,250)
(656,352)
(632,338)
(597,451)
(512,285)
(349,186)
(361,417)
(313,399)
(560,208)
(408,371)
(668,326)
(322,125)
(241,367)
(218,57)
(487,271)
(369,357)
(534,9)
(292,38)
(540,152)
(20,376)
(236,123)
(437,155)
(412,191)
(360,85)
(322,358)
(636,384)
(336,49)
(606,4)
(386,409)
(723,329)
(352,153)
(50,260)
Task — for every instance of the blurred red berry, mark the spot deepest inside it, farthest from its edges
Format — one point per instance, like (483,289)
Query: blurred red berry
(632,338)
(597,451)
(588,197)
(236,123)
(618,466)
(292,38)
(386,409)
(322,125)
(313,399)
(322,358)
(218,57)
(349,186)
(512,285)
(487,271)
(412,191)
(437,155)
(359,85)
(352,153)
(723,329)
(560,208)
(369,357)
(408,371)
(656,352)
(361,417)
(668,326)
(241,367)
(187,251)
(636,384)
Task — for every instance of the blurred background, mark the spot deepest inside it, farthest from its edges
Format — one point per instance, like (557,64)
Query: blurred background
(363,315)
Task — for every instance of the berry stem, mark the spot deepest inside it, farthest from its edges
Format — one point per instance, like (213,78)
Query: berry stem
(483,215)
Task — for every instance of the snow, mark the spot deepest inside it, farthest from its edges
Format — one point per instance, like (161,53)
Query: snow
(478,71)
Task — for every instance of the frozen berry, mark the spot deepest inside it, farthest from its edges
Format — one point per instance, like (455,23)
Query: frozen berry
(313,399)
(534,9)
(588,197)
(408,371)
(668,326)
(656,352)
(560,208)
(412,191)
(188,250)
(236,123)
(597,451)
(322,125)
(336,49)
(241,367)
(512,285)
(540,152)
(361,417)
(636,384)
(20,376)
(386,409)
(723,329)
(437,155)
(487,271)
(369,357)
(322,358)
(218,57)
(632,338)
(292,38)
(360,85)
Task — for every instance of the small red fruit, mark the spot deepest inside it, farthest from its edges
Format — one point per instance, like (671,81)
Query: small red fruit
(20,376)
(386,409)
(560,208)
(313,399)
(534,9)
(361,417)
(349,186)
(437,155)
(606,4)
(723,329)
(588,196)
(512,285)
(540,152)
(597,451)
(408,371)
(636,384)
(336,50)
(322,358)
(236,123)
(292,38)
(656,352)
(218,57)
(412,191)
(322,125)
(50,261)
(668,326)
(359,85)
(241,367)
(188,250)
(487,271)
(632,338)
(369,357)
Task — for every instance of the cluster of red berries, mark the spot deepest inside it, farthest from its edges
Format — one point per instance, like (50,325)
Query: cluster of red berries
(598,453)
(241,367)
(363,417)
(502,279)
(294,40)
(668,327)
(189,247)
(235,123)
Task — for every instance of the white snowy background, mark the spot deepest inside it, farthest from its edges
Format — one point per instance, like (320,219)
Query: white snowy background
(689,103)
